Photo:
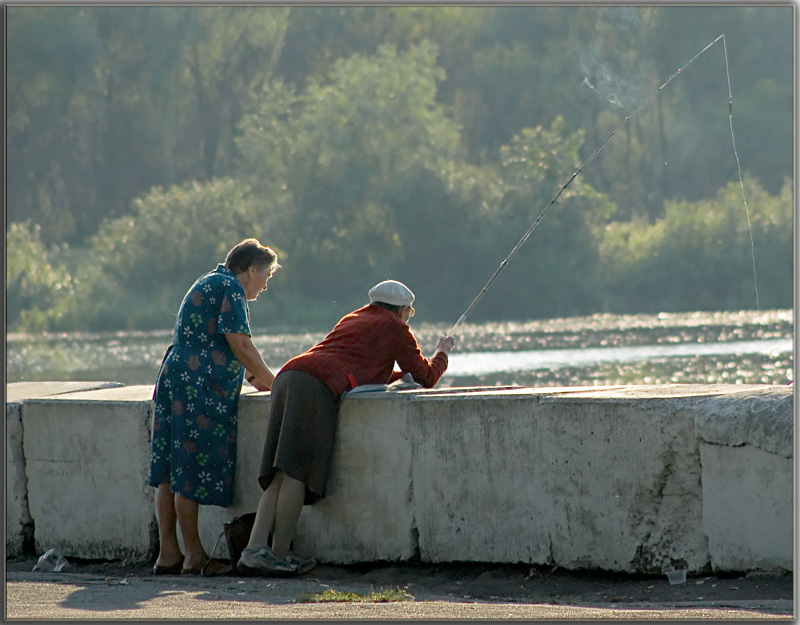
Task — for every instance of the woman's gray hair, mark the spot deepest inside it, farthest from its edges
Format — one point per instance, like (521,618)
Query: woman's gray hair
(248,253)
(390,307)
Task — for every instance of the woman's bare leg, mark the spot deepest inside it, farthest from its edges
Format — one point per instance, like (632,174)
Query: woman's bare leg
(289,505)
(187,511)
(169,551)
(265,514)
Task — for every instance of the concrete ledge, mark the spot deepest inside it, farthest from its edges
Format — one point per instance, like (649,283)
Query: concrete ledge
(748,417)
(86,459)
(629,479)
(368,512)
(19,523)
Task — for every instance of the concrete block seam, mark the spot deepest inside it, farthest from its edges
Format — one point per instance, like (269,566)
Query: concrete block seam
(713,443)
(27,527)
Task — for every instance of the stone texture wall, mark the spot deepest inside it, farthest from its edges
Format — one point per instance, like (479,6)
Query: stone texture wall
(629,479)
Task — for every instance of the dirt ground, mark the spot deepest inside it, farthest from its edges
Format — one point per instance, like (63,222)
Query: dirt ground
(501,583)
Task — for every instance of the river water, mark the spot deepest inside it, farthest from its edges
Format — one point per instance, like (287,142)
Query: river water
(743,347)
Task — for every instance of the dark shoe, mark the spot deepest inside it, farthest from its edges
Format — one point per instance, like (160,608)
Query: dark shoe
(175,569)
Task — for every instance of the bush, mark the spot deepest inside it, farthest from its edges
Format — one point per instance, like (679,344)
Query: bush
(38,292)
(699,255)
(151,258)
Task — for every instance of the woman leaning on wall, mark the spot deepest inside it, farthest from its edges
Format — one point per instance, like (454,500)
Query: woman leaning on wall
(196,397)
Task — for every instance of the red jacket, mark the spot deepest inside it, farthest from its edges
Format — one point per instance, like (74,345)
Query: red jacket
(363,348)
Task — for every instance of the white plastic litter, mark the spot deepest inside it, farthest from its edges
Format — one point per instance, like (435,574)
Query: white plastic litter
(52,560)
(676,577)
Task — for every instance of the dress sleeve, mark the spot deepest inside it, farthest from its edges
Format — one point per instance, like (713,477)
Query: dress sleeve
(234,315)
(410,358)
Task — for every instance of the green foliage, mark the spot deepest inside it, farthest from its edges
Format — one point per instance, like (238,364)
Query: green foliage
(381,111)
(318,36)
(420,143)
(232,54)
(150,259)
(266,139)
(38,289)
(699,152)
(370,126)
(51,51)
(557,263)
(699,256)
(382,596)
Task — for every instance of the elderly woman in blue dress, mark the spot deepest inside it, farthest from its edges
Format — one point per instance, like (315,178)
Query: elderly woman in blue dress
(196,401)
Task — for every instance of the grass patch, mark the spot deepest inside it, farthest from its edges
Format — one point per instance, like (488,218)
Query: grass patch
(382,596)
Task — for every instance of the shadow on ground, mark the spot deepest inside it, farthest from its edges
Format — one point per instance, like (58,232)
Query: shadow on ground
(455,582)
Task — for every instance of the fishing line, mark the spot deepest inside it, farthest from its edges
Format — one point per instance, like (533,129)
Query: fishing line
(739,169)
(530,230)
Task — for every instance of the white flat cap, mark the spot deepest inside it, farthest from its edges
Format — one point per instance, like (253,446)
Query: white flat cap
(391,292)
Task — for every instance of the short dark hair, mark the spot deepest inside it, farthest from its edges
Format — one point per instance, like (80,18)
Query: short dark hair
(248,253)
(395,309)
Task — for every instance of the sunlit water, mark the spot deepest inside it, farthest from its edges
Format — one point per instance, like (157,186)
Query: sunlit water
(744,347)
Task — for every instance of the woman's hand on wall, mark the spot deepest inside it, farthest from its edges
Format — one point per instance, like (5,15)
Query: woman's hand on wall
(261,385)
(248,355)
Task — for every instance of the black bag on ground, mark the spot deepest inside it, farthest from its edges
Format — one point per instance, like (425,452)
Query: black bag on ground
(237,534)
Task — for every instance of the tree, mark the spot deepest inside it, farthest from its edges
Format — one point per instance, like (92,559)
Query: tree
(509,74)
(136,125)
(554,273)
(108,102)
(761,65)
(369,127)
(319,36)
(51,52)
(232,53)
(374,141)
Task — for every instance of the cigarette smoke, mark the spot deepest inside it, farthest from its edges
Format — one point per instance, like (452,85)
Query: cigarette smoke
(607,75)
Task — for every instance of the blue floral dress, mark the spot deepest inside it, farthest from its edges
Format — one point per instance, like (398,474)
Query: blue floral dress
(197,393)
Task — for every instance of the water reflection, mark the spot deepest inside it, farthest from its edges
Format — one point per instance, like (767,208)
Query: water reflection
(739,369)
(482,363)
(742,347)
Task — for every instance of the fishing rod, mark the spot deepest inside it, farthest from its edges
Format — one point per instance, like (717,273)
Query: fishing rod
(530,230)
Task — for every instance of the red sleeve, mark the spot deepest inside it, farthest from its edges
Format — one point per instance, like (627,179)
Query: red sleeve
(410,358)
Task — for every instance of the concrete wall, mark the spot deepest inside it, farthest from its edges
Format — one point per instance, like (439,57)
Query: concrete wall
(746,451)
(19,523)
(86,461)
(631,479)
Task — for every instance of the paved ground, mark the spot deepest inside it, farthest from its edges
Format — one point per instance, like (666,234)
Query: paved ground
(453,591)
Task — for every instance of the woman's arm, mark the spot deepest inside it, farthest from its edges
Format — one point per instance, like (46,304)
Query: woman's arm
(409,357)
(444,345)
(246,353)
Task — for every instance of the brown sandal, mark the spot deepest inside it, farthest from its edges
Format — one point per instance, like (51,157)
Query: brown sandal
(212,568)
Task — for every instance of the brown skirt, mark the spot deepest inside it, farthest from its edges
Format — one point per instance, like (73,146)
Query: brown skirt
(303,416)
